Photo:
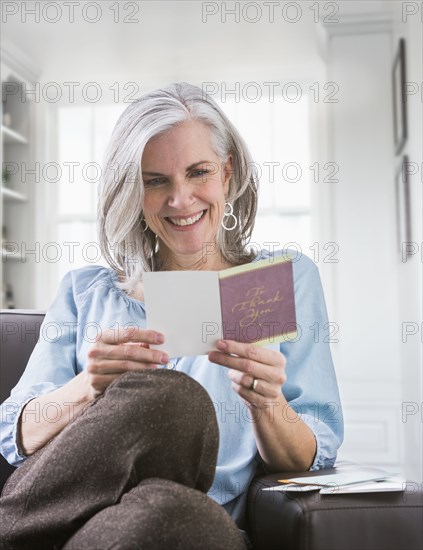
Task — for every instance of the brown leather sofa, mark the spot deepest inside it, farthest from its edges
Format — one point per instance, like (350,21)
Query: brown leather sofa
(276,520)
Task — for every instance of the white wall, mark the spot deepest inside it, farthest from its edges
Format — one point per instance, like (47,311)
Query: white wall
(409,26)
(373,292)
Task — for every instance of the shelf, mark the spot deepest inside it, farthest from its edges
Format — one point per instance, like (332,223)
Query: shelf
(10,137)
(18,200)
(10,195)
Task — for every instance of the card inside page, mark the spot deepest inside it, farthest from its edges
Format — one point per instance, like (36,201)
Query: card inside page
(185,307)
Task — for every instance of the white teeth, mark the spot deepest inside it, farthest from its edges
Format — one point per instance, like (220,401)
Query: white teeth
(186,221)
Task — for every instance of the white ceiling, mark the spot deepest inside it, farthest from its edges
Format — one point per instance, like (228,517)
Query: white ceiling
(170,39)
(172,42)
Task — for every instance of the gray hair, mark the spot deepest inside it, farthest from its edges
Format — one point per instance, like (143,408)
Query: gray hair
(126,247)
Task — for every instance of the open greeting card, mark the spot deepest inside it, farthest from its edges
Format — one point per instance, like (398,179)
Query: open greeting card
(194,309)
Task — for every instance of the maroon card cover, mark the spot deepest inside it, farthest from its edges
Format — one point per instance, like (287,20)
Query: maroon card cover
(258,302)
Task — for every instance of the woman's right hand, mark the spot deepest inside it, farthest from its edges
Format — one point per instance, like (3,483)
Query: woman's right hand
(113,353)
(117,351)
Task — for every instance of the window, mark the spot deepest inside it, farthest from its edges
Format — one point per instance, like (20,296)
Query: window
(83,134)
(277,134)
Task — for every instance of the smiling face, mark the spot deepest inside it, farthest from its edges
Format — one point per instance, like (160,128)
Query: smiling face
(185,184)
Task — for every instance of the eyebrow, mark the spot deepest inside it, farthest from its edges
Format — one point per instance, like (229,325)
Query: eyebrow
(190,167)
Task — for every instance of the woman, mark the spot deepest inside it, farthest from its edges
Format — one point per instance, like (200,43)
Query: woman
(128,436)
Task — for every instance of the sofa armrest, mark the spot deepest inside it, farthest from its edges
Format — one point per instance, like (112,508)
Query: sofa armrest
(310,521)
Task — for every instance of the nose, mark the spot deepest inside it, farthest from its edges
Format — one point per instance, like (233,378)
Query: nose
(181,195)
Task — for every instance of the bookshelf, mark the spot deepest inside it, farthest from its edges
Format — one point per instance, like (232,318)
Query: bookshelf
(17,212)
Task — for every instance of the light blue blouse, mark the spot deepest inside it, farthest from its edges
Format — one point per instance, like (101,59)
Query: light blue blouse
(88,300)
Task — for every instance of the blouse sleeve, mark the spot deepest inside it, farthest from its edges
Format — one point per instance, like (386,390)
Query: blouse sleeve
(51,365)
(311,388)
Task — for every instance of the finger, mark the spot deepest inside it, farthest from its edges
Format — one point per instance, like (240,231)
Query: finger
(262,387)
(108,368)
(249,397)
(242,364)
(129,352)
(240,378)
(101,349)
(252,351)
(131,334)
(111,369)
(133,352)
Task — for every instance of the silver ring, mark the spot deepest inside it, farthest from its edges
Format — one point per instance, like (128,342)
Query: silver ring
(253,384)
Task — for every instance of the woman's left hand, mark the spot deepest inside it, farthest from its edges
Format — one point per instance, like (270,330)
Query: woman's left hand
(257,373)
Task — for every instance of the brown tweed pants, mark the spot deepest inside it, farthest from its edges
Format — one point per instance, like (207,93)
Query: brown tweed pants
(131,472)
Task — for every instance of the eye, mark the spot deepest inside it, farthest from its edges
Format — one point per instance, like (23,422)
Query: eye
(154,182)
(199,173)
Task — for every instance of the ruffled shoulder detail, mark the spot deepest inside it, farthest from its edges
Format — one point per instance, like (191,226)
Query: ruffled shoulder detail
(85,279)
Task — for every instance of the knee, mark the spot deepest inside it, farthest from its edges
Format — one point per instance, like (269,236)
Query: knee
(183,517)
(157,392)
(160,514)
(152,411)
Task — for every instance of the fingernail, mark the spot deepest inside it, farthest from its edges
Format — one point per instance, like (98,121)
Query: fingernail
(164,359)
(159,339)
(222,344)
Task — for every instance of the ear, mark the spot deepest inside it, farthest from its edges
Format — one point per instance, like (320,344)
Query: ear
(227,171)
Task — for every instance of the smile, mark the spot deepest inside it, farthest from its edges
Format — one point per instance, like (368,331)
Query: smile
(179,221)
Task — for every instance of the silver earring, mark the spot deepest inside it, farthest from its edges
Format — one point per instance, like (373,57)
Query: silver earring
(229,214)
(127,269)
(146,225)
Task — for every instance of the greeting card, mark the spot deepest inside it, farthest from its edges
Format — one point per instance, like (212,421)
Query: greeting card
(249,303)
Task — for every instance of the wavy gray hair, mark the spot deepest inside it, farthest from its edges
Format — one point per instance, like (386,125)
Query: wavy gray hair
(127,248)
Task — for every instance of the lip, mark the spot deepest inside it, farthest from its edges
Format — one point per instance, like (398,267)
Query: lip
(186,227)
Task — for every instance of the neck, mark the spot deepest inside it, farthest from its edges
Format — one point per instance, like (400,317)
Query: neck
(191,262)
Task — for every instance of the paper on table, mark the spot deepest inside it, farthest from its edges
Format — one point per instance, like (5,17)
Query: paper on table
(336,480)
(293,488)
(383,485)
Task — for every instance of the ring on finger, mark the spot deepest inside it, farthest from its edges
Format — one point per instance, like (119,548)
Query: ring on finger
(253,384)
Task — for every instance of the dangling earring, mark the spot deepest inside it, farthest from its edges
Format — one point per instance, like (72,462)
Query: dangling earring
(127,270)
(146,225)
(229,214)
